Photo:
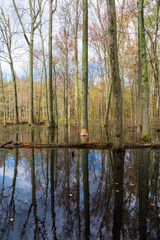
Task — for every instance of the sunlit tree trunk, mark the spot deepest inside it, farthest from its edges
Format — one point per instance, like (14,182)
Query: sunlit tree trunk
(84,96)
(116,82)
(143,58)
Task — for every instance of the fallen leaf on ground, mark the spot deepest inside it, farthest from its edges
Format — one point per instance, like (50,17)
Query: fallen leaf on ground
(116,190)
(131,184)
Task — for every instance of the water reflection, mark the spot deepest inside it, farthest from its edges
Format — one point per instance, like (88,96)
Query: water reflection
(85,194)
(41,134)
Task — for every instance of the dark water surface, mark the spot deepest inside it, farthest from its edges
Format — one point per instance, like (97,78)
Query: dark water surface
(80,194)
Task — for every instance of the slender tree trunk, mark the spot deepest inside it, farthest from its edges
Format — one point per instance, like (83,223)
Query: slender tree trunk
(66,82)
(3,96)
(139,88)
(84,97)
(45,73)
(40,97)
(76,65)
(116,82)
(145,89)
(31,117)
(108,104)
(55,90)
(51,117)
(16,120)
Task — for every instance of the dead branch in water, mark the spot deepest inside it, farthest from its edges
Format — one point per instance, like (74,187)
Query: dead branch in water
(88,145)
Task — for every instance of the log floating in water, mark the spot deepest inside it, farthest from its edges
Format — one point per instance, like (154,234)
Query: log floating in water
(88,145)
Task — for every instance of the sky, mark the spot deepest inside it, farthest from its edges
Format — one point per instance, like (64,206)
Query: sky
(20,48)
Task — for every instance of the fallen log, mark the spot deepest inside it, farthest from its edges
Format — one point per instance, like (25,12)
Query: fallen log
(88,145)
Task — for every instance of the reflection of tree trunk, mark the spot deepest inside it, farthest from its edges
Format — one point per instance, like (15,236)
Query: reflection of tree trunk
(12,205)
(86,192)
(34,204)
(144,159)
(77,195)
(52,163)
(118,158)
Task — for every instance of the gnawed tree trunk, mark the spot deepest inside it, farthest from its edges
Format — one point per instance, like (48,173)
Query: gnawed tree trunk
(84,96)
(115,78)
(143,58)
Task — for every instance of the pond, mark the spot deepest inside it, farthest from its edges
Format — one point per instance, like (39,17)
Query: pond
(41,134)
(80,194)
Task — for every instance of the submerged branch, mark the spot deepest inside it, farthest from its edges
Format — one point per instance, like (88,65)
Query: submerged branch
(88,145)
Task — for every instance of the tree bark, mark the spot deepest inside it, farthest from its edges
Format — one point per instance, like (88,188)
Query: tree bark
(3,96)
(51,115)
(76,65)
(143,58)
(84,96)
(116,82)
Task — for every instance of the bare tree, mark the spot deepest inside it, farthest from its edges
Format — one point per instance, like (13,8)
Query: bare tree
(7,34)
(33,13)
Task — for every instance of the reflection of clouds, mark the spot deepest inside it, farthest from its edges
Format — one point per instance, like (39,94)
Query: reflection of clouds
(23,176)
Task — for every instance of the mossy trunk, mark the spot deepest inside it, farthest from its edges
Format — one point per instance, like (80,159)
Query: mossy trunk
(139,86)
(84,96)
(115,78)
(143,58)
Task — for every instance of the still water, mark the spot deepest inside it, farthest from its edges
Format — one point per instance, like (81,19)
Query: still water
(81,194)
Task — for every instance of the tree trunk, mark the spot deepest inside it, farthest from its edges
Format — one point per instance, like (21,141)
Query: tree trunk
(139,87)
(16,121)
(51,117)
(76,65)
(143,58)
(116,83)
(84,96)
(3,97)
(66,81)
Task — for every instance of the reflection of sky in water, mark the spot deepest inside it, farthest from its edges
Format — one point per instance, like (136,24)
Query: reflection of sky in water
(65,206)
(23,175)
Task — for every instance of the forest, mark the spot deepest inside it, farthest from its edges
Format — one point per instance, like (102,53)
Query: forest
(72,61)
(79,119)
